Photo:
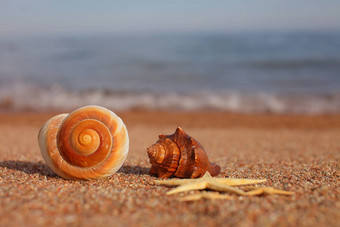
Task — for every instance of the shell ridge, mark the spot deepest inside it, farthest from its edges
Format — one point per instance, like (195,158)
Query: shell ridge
(164,157)
(187,159)
(125,149)
(176,162)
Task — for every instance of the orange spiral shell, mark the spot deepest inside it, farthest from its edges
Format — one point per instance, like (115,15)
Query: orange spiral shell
(91,142)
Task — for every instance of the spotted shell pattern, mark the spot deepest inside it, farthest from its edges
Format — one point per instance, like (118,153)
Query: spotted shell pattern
(179,155)
(91,142)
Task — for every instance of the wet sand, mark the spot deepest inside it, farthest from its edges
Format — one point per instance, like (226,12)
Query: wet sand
(296,153)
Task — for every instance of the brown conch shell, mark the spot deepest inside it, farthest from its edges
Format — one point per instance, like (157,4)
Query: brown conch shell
(179,155)
(91,142)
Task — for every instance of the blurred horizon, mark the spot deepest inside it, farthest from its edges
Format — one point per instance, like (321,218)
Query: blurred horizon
(153,17)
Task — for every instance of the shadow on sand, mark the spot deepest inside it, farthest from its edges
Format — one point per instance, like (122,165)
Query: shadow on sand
(136,170)
(29,167)
(44,170)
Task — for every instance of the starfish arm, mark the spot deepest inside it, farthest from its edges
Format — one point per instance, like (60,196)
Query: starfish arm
(224,188)
(255,192)
(183,181)
(207,175)
(271,191)
(188,187)
(238,182)
(268,191)
(174,181)
(227,181)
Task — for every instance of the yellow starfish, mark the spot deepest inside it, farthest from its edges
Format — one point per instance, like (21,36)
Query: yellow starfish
(209,182)
(205,195)
(267,191)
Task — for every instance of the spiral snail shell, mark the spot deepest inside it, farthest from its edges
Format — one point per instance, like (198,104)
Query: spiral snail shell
(181,156)
(91,142)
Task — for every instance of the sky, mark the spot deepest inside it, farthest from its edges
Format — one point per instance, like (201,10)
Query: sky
(20,17)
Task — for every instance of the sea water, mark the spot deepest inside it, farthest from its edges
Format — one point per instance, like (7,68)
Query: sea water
(282,72)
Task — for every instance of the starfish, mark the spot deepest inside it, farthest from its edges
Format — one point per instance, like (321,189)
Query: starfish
(209,182)
(267,191)
(205,195)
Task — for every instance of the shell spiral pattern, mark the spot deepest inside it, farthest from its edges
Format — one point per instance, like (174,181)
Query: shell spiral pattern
(181,156)
(91,142)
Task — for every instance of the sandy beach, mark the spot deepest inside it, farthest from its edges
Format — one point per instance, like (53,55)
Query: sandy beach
(295,153)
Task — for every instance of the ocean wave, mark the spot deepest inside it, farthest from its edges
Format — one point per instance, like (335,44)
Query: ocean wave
(55,97)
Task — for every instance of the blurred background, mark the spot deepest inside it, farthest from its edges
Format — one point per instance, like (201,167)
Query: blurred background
(238,55)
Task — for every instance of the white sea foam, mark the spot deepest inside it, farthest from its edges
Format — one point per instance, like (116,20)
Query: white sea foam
(280,72)
(19,96)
